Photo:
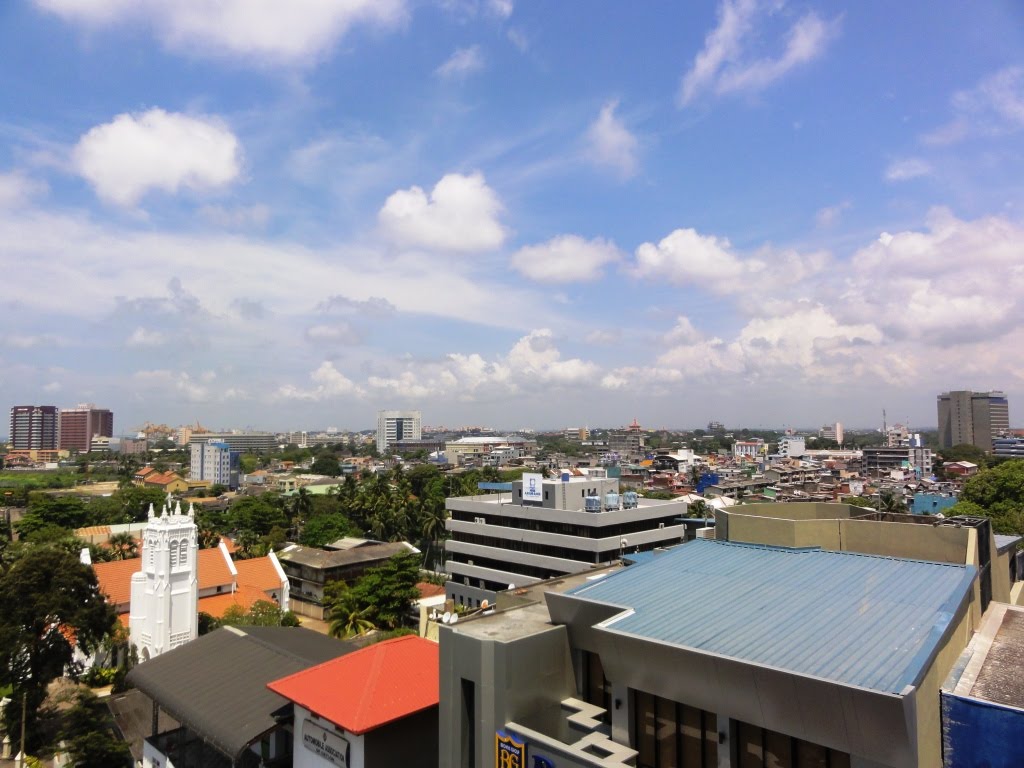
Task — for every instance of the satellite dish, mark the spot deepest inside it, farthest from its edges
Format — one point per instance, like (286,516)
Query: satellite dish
(446,618)
(454,619)
(484,604)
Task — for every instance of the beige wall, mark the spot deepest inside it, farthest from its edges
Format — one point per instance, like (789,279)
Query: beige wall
(919,542)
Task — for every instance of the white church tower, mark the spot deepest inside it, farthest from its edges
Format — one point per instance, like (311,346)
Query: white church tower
(164,611)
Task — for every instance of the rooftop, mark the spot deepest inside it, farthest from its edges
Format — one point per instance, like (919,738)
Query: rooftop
(860,620)
(382,683)
(322,558)
(991,666)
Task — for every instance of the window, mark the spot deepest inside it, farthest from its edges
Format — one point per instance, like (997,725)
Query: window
(468,723)
(761,748)
(174,554)
(667,734)
(183,552)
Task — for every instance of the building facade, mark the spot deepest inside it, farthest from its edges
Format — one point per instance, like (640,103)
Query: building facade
(397,425)
(34,427)
(79,425)
(244,442)
(215,462)
(542,528)
(972,418)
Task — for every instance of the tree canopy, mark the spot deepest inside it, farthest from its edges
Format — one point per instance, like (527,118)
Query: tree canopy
(996,493)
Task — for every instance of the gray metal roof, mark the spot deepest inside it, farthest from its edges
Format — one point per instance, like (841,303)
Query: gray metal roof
(1004,542)
(314,557)
(856,619)
(217,684)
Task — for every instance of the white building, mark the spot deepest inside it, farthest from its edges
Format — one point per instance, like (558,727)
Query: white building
(398,425)
(215,462)
(832,432)
(748,448)
(791,447)
(545,528)
(165,593)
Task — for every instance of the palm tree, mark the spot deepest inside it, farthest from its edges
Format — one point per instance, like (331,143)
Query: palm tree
(348,619)
(431,523)
(123,546)
(891,502)
(698,508)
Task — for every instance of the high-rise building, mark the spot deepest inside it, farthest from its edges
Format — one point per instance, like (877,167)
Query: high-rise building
(78,426)
(215,461)
(398,425)
(34,427)
(972,418)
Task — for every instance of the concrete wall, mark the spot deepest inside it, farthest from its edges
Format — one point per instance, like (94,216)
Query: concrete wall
(941,544)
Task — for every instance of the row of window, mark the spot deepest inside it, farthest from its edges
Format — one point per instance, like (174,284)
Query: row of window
(566,529)
(565,553)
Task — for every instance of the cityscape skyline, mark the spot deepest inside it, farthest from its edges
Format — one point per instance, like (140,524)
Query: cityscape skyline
(510,214)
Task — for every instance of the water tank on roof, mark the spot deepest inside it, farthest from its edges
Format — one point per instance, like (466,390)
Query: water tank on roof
(592,503)
(629,500)
(611,501)
(565,477)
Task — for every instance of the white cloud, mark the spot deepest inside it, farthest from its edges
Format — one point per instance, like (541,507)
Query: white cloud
(830,215)
(463,62)
(683,332)
(17,189)
(329,383)
(565,259)
(262,31)
(603,336)
(995,106)
(724,66)
(167,383)
(535,357)
(31,341)
(501,8)
(337,332)
(145,337)
(907,169)
(156,150)
(460,215)
(236,217)
(519,39)
(610,144)
(52,387)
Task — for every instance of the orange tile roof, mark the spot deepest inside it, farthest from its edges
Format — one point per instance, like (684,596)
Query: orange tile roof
(115,577)
(145,471)
(244,597)
(258,572)
(93,530)
(386,681)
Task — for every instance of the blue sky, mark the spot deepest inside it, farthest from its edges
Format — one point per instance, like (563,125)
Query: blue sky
(521,214)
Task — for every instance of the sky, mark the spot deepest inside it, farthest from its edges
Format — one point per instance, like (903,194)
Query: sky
(517,214)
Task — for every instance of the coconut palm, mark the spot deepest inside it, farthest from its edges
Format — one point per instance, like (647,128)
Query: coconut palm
(123,546)
(347,619)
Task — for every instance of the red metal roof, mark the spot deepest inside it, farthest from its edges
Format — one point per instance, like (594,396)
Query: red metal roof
(370,687)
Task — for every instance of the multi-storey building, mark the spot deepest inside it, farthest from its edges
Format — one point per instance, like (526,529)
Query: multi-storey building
(884,458)
(79,425)
(972,418)
(215,462)
(34,427)
(832,432)
(543,528)
(791,447)
(397,425)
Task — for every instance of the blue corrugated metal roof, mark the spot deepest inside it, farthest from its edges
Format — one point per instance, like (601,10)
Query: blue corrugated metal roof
(858,619)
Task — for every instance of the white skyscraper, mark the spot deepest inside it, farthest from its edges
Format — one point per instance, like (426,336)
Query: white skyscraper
(165,593)
(397,425)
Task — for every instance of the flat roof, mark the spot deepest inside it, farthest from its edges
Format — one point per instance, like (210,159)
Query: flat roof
(323,558)
(992,664)
(860,620)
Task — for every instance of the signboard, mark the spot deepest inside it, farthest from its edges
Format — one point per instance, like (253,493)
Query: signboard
(533,487)
(324,743)
(508,753)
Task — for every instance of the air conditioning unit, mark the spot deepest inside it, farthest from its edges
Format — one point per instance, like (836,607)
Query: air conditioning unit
(706,533)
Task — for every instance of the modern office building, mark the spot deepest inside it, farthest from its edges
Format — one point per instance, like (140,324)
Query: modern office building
(34,427)
(792,447)
(79,425)
(1008,446)
(972,418)
(238,441)
(538,528)
(397,425)
(832,432)
(215,462)
(884,458)
(711,654)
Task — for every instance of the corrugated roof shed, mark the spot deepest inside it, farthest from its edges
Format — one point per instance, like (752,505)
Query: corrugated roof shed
(857,619)
(217,684)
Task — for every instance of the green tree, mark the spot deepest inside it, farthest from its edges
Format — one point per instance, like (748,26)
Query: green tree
(892,502)
(87,731)
(123,546)
(996,493)
(347,617)
(326,463)
(46,597)
(323,529)
(263,613)
(257,514)
(389,590)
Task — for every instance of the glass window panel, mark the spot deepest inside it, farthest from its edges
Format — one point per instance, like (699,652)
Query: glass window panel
(751,753)
(643,719)
(810,755)
(666,733)
(838,759)
(778,750)
(692,738)
(710,740)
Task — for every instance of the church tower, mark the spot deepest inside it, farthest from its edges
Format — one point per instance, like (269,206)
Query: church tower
(164,600)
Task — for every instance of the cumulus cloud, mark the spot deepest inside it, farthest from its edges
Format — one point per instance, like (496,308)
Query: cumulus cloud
(683,332)
(994,106)
(565,259)
(334,333)
(328,383)
(17,189)
(261,31)
(829,216)
(145,337)
(610,144)
(460,215)
(157,150)
(687,257)
(501,8)
(725,64)
(463,62)
(907,169)
(236,217)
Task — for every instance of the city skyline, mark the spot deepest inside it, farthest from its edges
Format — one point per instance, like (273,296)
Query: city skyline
(510,213)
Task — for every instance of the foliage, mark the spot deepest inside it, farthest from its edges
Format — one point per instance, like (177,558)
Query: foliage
(858,501)
(326,463)
(263,613)
(892,502)
(87,731)
(965,452)
(347,617)
(996,493)
(46,596)
(257,514)
(323,529)
(389,590)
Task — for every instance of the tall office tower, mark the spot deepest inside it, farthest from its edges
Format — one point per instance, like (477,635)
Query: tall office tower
(34,427)
(78,426)
(972,418)
(398,425)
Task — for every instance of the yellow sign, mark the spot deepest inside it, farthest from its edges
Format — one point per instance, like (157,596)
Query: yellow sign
(508,753)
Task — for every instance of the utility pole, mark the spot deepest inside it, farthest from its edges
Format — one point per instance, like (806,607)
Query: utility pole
(24,714)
